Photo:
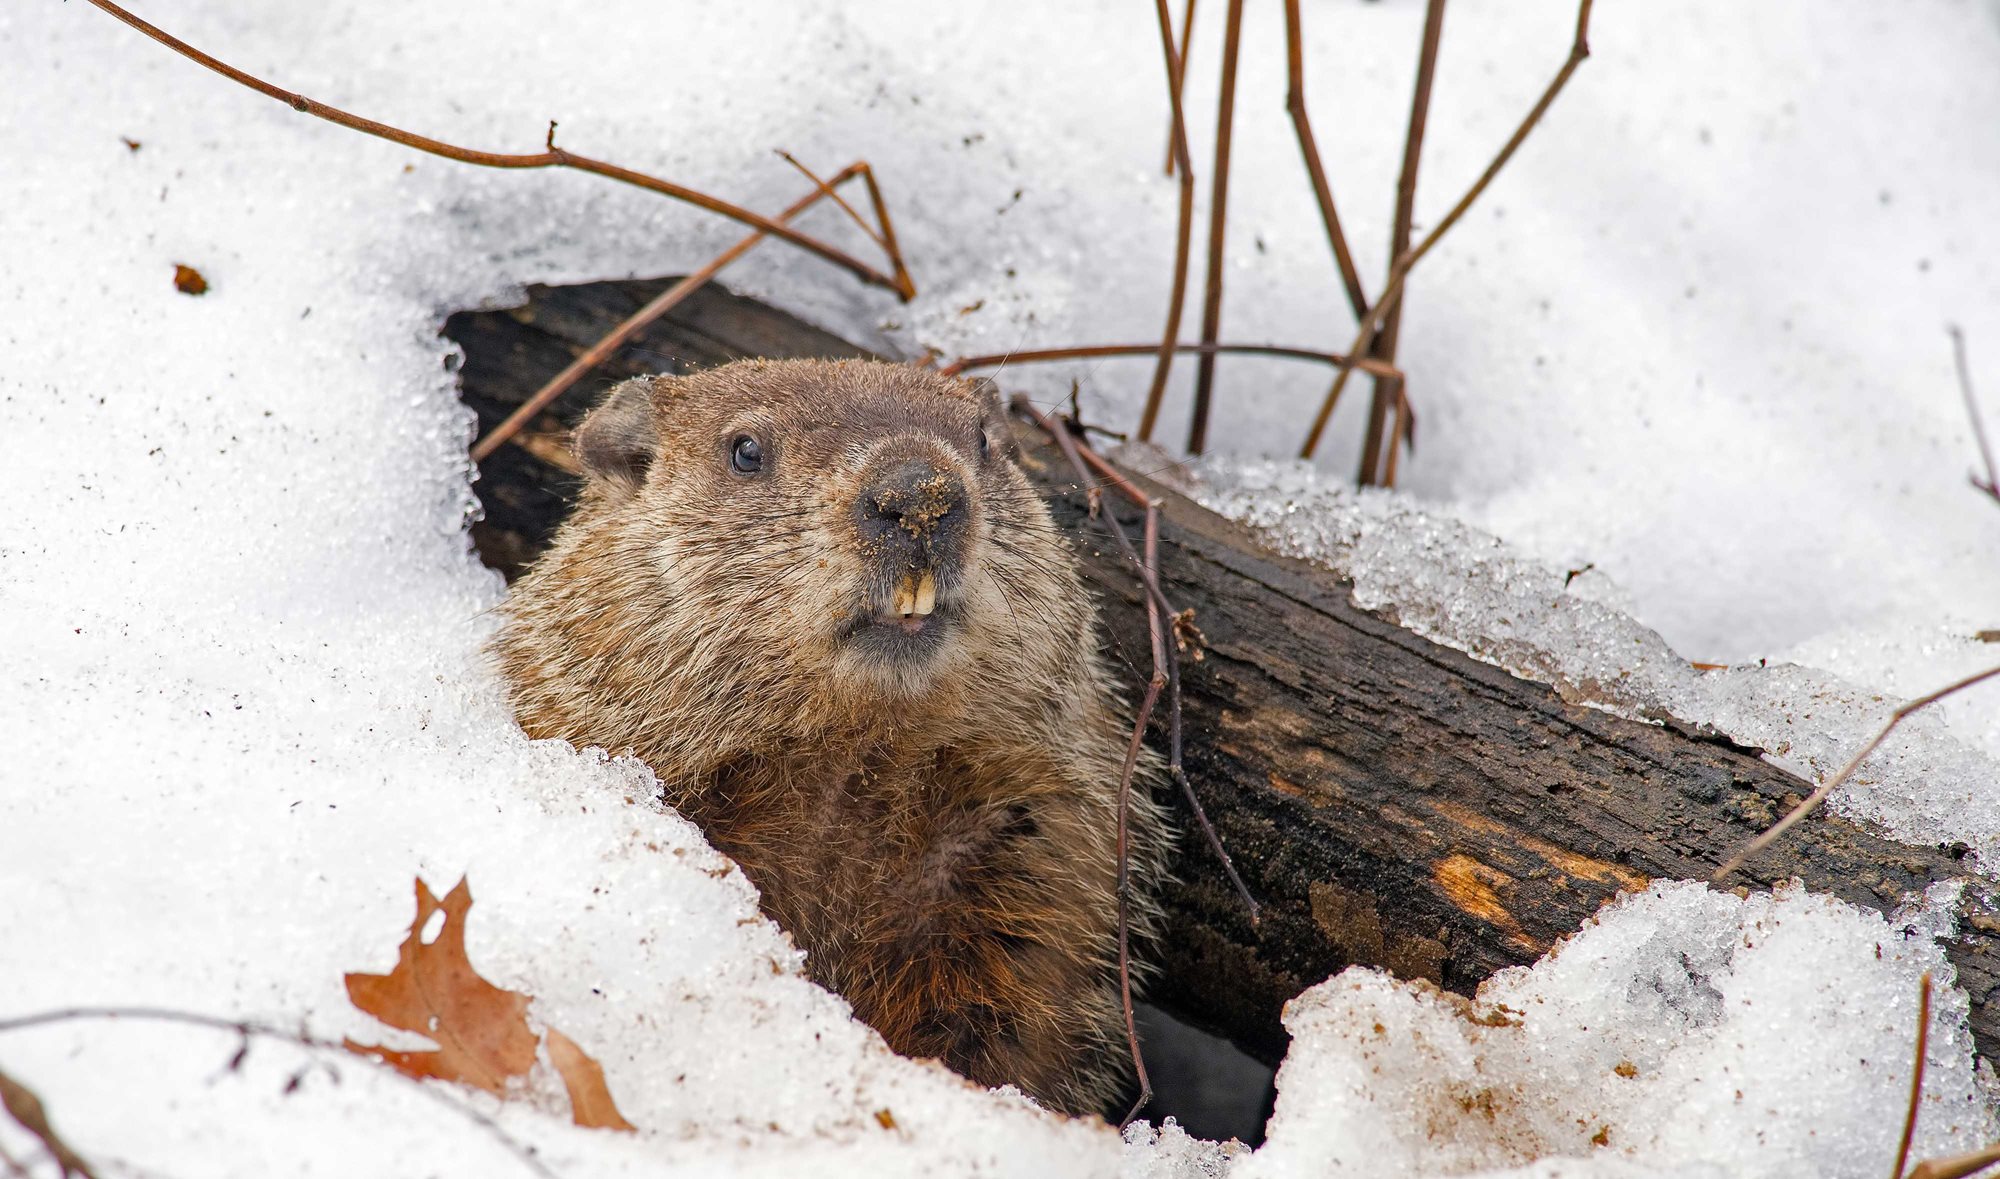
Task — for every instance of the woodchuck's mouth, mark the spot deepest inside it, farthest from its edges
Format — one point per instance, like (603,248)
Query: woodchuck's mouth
(909,627)
(898,638)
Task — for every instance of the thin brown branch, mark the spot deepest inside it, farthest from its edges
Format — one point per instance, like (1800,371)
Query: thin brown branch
(1916,1075)
(826,190)
(1992,484)
(1295,104)
(245,1029)
(1832,784)
(1156,632)
(882,233)
(1413,139)
(1154,684)
(1400,432)
(666,301)
(1088,351)
(1160,619)
(1387,393)
(1180,74)
(1145,713)
(1957,1167)
(904,285)
(551,157)
(1218,221)
(1081,457)
(1364,339)
(1183,226)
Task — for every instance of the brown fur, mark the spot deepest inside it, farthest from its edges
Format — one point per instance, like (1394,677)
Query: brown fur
(937,833)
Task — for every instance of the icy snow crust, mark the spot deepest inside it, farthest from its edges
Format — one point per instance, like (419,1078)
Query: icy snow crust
(1572,628)
(242,694)
(1681,1032)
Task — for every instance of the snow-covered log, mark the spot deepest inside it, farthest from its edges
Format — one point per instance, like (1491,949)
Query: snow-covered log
(1390,801)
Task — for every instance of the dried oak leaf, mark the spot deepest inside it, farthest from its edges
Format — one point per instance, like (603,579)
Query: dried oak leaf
(188,280)
(590,1101)
(481,1031)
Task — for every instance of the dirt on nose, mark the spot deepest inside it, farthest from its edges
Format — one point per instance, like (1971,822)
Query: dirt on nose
(918,505)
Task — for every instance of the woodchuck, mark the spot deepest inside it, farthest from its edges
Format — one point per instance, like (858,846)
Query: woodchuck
(821,601)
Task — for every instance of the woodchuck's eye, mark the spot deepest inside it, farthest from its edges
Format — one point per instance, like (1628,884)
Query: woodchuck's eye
(746,457)
(985,446)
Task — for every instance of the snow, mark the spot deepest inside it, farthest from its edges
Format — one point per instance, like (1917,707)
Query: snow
(1693,337)
(1682,1032)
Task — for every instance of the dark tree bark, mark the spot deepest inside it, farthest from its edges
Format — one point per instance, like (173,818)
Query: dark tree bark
(1389,801)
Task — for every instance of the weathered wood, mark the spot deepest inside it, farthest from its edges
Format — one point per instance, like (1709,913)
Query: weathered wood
(1391,802)
(1395,803)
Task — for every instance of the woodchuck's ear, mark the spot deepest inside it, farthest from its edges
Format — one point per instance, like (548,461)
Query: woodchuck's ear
(615,443)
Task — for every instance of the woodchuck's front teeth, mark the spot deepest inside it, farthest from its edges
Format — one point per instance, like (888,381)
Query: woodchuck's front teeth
(916,597)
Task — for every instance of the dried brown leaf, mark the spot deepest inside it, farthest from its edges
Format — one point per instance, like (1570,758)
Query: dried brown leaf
(481,1031)
(590,1101)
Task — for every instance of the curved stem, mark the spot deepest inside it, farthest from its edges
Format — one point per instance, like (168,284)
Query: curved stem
(1295,105)
(551,157)
(1218,224)
(1183,229)
(666,301)
(1086,351)
(1365,337)
(1820,793)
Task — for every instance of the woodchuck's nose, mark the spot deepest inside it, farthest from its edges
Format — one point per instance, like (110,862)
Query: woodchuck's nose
(915,509)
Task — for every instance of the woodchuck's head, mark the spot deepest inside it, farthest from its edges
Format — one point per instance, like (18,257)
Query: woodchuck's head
(796,525)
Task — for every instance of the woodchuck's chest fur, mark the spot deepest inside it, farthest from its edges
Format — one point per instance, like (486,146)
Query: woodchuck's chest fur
(821,601)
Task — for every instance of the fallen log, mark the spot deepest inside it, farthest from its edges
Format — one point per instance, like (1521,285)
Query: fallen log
(1389,801)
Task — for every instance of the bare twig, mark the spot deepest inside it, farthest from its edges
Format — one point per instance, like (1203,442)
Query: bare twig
(1389,392)
(1183,224)
(904,285)
(1180,77)
(666,301)
(826,190)
(1154,683)
(1916,1075)
(1149,579)
(1163,635)
(245,1029)
(1088,351)
(1991,486)
(25,1107)
(1218,221)
(1957,1167)
(1295,104)
(1827,787)
(551,157)
(1364,339)
(1401,431)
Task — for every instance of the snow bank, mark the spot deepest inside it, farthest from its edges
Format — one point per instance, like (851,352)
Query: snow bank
(1682,1032)
(241,691)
